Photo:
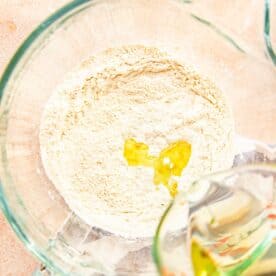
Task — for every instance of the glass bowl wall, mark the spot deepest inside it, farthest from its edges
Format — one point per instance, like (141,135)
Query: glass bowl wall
(29,200)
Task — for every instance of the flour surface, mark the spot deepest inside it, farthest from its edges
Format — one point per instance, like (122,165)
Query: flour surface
(130,92)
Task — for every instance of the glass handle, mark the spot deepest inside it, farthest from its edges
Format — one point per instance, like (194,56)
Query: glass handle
(248,25)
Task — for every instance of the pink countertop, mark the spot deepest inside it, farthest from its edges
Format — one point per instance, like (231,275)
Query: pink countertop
(19,17)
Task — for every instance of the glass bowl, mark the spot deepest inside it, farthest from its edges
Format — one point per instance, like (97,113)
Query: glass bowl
(190,29)
(225,223)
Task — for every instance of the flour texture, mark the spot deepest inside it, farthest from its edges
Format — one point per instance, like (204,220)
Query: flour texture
(130,92)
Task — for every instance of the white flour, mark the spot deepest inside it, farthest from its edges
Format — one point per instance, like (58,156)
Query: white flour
(130,92)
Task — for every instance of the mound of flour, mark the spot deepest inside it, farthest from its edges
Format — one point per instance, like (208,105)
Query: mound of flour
(130,92)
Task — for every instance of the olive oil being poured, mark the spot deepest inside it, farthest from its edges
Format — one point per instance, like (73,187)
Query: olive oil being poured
(202,262)
(169,163)
(230,233)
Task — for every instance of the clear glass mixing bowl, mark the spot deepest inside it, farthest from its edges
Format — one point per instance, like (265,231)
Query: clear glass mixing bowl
(245,72)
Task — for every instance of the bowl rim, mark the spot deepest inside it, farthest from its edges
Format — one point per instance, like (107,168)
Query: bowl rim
(267,31)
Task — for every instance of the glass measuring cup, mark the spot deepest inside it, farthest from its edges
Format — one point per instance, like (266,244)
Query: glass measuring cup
(225,225)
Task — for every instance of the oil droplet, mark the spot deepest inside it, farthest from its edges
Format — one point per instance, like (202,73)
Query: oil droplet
(170,162)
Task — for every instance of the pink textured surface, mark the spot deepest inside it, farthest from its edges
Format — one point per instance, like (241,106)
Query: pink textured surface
(19,17)
(14,259)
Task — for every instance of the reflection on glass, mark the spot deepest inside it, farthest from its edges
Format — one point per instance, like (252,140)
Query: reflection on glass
(228,227)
